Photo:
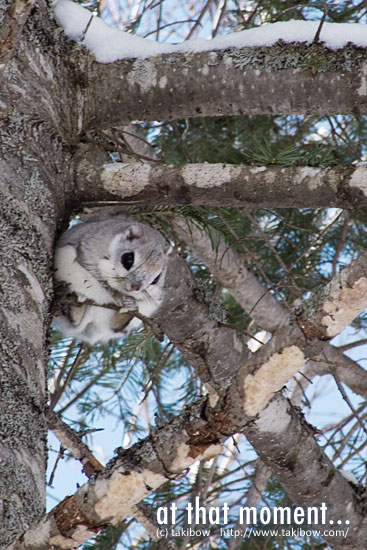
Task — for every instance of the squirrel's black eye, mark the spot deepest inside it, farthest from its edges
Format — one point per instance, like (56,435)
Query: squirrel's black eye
(156,280)
(127,260)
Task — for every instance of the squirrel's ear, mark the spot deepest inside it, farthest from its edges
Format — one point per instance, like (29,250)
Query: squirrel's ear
(135,231)
(167,248)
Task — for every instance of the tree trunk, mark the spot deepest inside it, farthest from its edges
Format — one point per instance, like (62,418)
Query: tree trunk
(34,175)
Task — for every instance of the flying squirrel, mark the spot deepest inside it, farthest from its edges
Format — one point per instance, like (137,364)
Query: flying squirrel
(112,267)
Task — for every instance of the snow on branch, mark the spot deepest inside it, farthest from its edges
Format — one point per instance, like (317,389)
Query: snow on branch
(275,69)
(109,44)
(277,80)
(224,184)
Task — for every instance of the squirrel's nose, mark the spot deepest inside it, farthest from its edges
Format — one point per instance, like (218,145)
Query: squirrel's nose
(135,286)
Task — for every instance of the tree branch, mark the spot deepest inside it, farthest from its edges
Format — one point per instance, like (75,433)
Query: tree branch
(71,440)
(286,444)
(228,268)
(259,482)
(113,494)
(200,430)
(222,184)
(332,361)
(275,80)
(11,29)
(282,438)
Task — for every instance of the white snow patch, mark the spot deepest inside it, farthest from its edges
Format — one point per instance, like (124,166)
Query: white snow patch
(35,288)
(362,90)
(359,178)
(143,74)
(206,176)
(275,418)
(125,179)
(310,175)
(257,169)
(109,45)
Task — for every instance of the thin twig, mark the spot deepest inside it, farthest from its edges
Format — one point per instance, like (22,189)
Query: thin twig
(58,393)
(86,28)
(60,455)
(268,242)
(341,243)
(312,245)
(218,17)
(198,21)
(347,400)
(322,21)
(168,25)
(346,438)
(352,345)
(71,440)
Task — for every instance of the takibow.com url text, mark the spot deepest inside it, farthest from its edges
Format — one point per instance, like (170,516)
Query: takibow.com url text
(252,532)
(283,532)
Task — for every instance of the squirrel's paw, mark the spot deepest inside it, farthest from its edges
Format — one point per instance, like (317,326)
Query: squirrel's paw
(128,304)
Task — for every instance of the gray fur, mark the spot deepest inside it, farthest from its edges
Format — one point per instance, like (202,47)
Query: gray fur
(89,263)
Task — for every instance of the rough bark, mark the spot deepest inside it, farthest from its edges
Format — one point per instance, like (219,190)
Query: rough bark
(282,79)
(112,495)
(229,270)
(299,464)
(203,340)
(223,184)
(33,176)
(287,445)
(284,440)
(279,430)
(278,433)
(14,19)
(305,334)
